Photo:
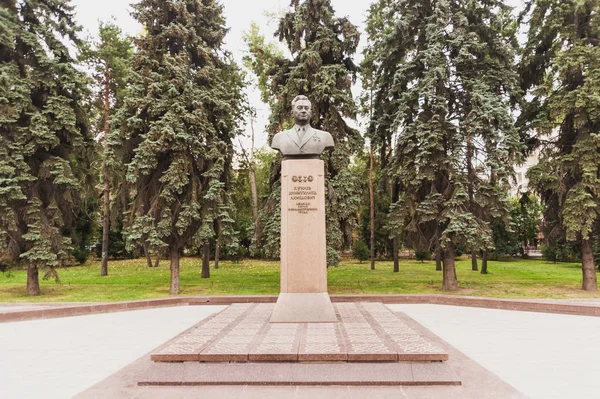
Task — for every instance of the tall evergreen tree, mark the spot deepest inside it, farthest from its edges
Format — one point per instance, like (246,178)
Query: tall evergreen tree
(44,137)
(320,67)
(109,57)
(173,134)
(560,68)
(442,77)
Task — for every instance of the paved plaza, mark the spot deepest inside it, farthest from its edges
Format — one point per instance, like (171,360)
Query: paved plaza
(541,355)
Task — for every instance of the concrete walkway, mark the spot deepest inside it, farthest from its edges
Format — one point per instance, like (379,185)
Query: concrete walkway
(58,358)
(542,355)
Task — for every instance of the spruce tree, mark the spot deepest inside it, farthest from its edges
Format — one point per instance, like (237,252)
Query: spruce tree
(560,69)
(172,137)
(442,77)
(44,137)
(321,67)
(109,57)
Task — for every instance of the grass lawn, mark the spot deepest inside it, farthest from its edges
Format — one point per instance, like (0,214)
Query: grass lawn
(131,279)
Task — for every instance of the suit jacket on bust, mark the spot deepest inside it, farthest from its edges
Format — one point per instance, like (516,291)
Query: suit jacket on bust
(313,142)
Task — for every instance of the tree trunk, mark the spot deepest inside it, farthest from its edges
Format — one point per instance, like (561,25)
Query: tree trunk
(206,260)
(450,283)
(33,281)
(105,222)
(396,261)
(474,266)
(217,254)
(253,176)
(484,259)
(396,240)
(438,259)
(438,251)
(587,265)
(218,244)
(106,178)
(147,253)
(372,204)
(175,287)
(156,262)
(471,189)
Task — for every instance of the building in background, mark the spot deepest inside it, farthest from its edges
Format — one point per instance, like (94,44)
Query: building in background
(521,184)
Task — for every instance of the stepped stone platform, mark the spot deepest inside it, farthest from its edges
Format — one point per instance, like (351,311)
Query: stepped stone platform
(366,332)
(299,374)
(457,378)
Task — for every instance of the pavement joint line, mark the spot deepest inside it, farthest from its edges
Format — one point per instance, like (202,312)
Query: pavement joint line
(224,332)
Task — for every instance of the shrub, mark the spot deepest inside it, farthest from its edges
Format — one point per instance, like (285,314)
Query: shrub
(360,251)
(333,257)
(81,255)
(422,255)
(564,252)
(234,253)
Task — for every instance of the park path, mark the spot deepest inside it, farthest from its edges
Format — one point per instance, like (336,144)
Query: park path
(543,355)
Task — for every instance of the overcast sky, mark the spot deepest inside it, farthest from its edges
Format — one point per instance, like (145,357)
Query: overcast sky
(239,15)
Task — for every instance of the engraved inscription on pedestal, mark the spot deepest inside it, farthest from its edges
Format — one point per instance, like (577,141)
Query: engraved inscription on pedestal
(303,196)
(303,247)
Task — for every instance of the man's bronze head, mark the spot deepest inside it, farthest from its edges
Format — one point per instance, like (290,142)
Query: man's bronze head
(301,110)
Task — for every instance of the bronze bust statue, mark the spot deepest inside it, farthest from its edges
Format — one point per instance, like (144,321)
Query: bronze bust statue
(302,141)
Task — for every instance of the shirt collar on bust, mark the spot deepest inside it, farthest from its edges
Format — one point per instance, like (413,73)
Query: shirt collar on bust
(299,128)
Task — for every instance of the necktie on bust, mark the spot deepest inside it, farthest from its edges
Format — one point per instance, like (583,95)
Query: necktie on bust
(300,130)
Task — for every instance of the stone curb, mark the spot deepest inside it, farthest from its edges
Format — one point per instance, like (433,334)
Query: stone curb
(66,310)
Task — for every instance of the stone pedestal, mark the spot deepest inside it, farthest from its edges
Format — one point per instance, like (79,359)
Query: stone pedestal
(303,296)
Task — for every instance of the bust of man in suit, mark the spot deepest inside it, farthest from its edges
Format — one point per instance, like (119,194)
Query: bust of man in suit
(302,141)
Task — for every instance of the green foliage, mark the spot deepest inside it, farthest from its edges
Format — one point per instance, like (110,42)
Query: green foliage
(560,69)
(242,202)
(333,257)
(172,137)
(506,242)
(321,47)
(383,244)
(45,143)
(84,232)
(561,252)
(423,255)
(242,194)
(110,58)
(526,217)
(259,58)
(117,248)
(360,251)
(440,76)
(267,242)
(235,254)
(522,229)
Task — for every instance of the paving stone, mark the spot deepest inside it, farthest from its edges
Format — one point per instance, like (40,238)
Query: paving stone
(366,332)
